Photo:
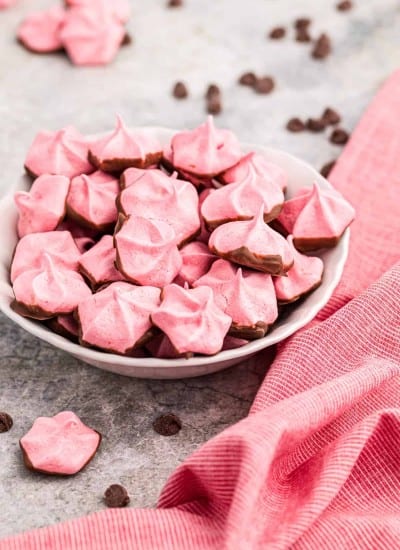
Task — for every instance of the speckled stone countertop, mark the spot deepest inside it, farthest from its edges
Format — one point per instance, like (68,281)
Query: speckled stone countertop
(205,41)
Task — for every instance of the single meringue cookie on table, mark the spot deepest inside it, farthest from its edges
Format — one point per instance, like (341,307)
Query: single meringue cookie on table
(43,207)
(124,148)
(242,200)
(91,200)
(62,153)
(61,445)
(158,196)
(98,263)
(91,35)
(205,151)
(48,291)
(252,244)
(147,253)
(192,320)
(40,32)
(30,250)
(248,297)
(119,8)
(323,220)
(196,261)
(117,318)
(264,169)
(304,276)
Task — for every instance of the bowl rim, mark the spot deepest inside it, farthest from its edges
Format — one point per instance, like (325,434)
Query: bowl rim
(94,356)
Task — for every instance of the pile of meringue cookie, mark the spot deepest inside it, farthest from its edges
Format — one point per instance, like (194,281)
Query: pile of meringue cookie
(90,31)
(131,247)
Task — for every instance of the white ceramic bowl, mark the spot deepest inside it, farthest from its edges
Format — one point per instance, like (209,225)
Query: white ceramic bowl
(299,173)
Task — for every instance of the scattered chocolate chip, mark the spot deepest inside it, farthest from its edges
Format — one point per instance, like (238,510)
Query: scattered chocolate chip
(315,125)
(295,125)
(116,496)
(212,91)
(180,91)
(214,105)
(264,85)
(302,35)
(277,33)
(175,3)
(248,79)
(331,117)
(6,422)
(339,136)
(346,5)
(327,168)
(127,40)
(322,47)
(167,424)
(302,22)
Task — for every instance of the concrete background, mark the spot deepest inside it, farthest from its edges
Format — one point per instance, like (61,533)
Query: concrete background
(205,41)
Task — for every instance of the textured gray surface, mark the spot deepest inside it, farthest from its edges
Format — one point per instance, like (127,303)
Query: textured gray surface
(208,40)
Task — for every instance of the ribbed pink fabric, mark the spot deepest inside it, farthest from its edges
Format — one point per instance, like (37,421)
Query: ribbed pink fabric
(316,463)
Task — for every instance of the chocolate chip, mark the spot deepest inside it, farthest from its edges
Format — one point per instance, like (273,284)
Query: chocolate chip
(175,3)
(339,136)
(302,22)
(315,125)
(277,33)
(167,424)
(346,5)
(6,422)
(327,168)
(295,125)
(214,105)
(248,79)
(331,117)
(213,90)
(180,91)
(322,47)
(127,40)
(302,35)
(264,85)
(116,496)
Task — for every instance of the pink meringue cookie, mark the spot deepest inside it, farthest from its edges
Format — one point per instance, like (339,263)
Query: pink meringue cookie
(40,32)
(48,291)
(304,276)
(65,325)
(117,319)
(246,296)
(196,261)
(253,244)
(322,221)
(146,251)
(192,320)
(61,445)
(91,36)
(263,168)
(161,346)
(204,232)
(4,4)
(62,153)
(205,151)
(30,249)
(119,8)
(242,200)
(124,148)
(198,181)
(91,200)
(290,211)
(158,196)
(43,207)
(98,264)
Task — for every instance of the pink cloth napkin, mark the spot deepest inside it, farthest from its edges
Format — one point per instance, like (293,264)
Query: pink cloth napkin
(316,463)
